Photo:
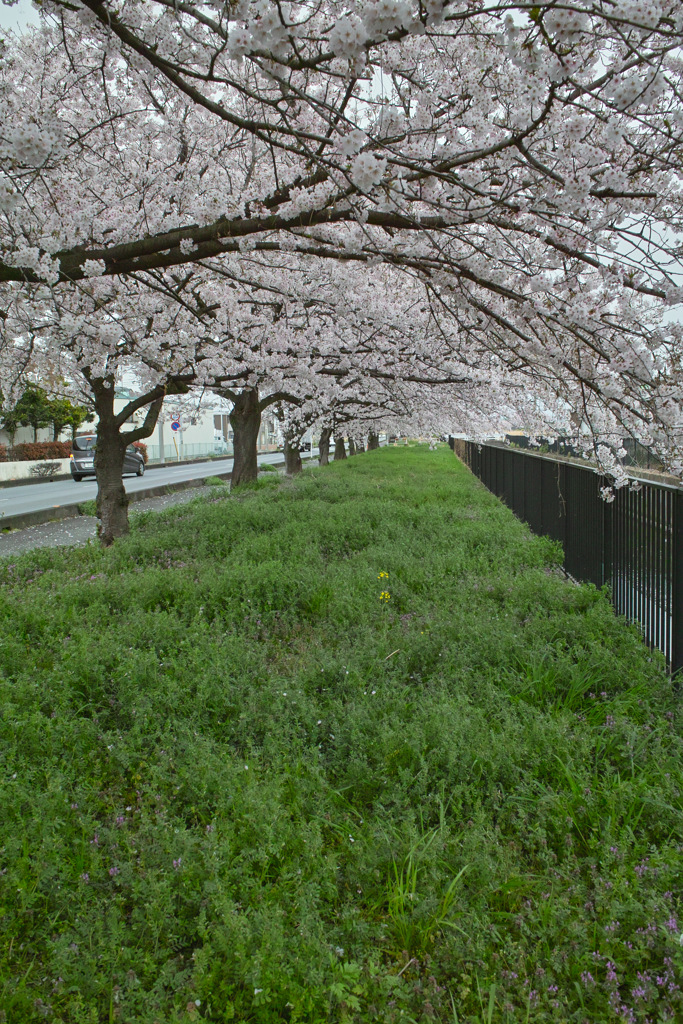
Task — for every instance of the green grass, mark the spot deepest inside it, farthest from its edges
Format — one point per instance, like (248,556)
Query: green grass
(215,481)
(237,786)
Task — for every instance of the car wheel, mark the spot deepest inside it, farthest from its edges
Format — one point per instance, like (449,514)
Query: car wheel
(141,469)
(77,477)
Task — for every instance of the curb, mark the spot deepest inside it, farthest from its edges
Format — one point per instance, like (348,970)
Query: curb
(34,480)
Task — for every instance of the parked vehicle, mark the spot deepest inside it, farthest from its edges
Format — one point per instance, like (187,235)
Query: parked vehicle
(305,446)
(82,459)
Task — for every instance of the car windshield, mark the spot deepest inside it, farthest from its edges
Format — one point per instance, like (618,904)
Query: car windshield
(84,444)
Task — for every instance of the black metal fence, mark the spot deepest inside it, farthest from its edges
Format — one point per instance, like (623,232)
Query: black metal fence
(634,544)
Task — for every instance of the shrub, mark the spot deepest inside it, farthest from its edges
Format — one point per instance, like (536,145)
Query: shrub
(33,451)
(214,481)
(45,469)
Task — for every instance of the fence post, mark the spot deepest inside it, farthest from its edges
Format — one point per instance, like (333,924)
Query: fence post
(677,584)
(607,513)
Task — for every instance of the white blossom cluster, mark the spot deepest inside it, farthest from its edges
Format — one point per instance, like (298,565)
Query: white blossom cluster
(384,16)
(565,24)
(94,268)
(8,197)
(367,171)
(240,41)
(348,36)
(350,144)
(30,145)
(641,12)
(376,21)
(27,257)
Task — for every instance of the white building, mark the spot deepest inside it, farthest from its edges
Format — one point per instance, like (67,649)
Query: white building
(189,426)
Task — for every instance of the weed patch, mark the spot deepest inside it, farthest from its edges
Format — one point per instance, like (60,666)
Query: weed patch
(239,783)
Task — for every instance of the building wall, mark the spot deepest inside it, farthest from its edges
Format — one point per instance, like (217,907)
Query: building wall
(207,428)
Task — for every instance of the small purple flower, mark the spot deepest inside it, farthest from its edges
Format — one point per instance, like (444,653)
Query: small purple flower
(587,978)
(74,807)
(177,863)
(95,841)
(114,871)
(85,877)
(121,820)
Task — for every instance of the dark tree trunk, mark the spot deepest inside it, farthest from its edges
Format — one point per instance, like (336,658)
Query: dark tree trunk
(112,500)
(324,447)
(352,446)
(292,457)
(373,441)
(339,449)
(245,420)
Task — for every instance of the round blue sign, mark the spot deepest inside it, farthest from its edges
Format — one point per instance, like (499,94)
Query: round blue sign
(175,426)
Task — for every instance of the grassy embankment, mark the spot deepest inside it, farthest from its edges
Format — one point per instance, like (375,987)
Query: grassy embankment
(237,785)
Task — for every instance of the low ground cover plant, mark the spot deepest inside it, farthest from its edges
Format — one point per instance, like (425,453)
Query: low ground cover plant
(341,749)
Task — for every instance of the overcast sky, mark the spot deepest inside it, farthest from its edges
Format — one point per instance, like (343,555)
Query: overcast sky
(18,16)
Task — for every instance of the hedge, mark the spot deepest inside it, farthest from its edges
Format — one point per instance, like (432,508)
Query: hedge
(33,451)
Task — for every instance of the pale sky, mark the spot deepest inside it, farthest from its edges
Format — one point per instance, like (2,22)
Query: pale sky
(19,16)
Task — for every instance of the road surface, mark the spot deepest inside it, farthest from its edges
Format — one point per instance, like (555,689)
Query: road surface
(55,493)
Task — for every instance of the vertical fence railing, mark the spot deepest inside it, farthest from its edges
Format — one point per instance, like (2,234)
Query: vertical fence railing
(634,544)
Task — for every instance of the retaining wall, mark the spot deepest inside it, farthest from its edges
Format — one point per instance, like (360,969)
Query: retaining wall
(10,471)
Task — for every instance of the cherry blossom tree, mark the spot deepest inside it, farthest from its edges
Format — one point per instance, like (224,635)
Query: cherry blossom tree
(521,162)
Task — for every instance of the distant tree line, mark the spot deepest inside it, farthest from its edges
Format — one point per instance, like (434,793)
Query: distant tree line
(35,409)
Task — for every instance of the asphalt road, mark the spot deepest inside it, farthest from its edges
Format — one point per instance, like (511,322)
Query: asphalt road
(55,493)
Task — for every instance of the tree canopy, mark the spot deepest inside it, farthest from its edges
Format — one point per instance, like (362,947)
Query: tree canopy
(518,165)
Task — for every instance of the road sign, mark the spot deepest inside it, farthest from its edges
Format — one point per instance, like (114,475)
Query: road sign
(175,425)
(175,417)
